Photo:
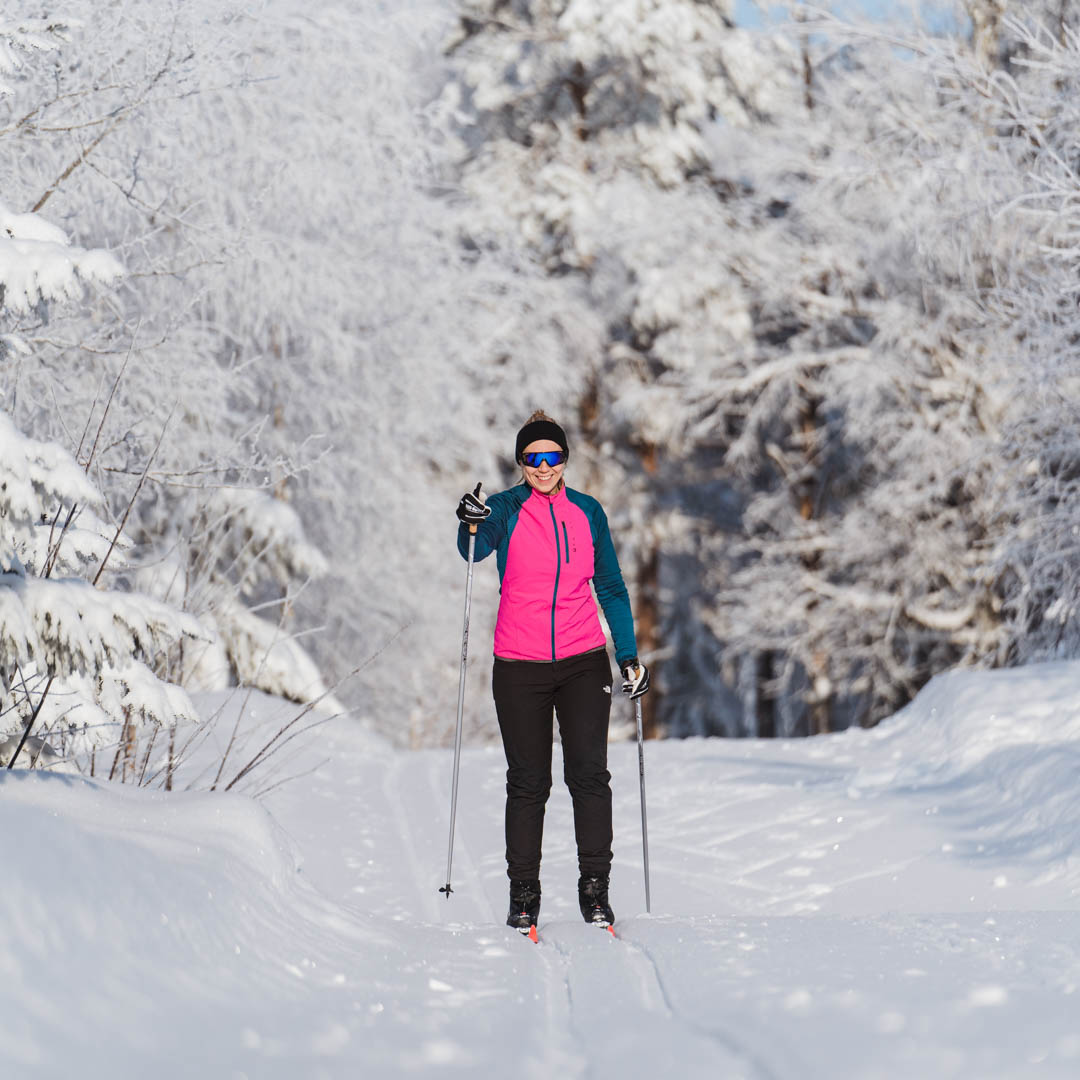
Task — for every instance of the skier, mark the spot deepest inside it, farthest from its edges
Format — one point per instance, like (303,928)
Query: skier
(551,654)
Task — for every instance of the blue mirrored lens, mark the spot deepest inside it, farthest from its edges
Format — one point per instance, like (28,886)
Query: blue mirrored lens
(549,457)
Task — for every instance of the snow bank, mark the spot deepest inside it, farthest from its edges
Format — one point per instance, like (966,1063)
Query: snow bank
(1004,746)
(962,719)
(147,934)
(891,903)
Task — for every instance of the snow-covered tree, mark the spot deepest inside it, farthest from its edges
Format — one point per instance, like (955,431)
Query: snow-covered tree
(325,329)
(145,389)
(639,82)
(22,37)
(865,420)
(74,659)
(788,387)
(586,127)
(1029,302)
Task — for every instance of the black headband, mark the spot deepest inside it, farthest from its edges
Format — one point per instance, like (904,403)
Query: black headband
(537,430)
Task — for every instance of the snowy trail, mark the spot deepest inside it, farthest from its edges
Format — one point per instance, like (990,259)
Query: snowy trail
(581,991)
(812,908)
(586,1004)
(873,906)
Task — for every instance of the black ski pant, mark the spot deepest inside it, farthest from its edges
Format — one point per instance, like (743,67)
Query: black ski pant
(578,690)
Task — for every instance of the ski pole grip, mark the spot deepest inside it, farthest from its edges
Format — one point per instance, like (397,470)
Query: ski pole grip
(472,528)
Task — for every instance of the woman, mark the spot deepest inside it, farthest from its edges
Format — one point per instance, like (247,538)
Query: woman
(551,654)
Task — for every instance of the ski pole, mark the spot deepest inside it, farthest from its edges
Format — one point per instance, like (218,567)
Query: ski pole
(644,821)
(460,705)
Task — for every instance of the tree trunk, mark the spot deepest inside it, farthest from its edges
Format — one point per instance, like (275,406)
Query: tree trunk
(764,699)
(647,626)
(819,714)
(172,759)
(807,65)
(579,88)
(986,16)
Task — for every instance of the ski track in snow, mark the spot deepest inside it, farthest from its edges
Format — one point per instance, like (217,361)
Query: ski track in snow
(771,895)
(588,1005)
(585,1019)
(884,905)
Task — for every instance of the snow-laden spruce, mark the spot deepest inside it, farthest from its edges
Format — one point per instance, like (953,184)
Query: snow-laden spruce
(38,263)
(85,665)
(136,381)
(19,37)
(75,660)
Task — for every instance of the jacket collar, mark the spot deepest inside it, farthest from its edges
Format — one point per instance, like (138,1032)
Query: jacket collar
(547,499)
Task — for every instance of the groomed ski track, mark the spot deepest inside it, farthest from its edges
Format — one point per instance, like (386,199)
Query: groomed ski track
(902,904)
(808,921)
(580,1004)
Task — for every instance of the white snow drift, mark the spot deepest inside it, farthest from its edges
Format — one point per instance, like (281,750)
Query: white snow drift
(895,903)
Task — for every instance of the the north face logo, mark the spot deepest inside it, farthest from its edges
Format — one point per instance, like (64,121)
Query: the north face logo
(607,689)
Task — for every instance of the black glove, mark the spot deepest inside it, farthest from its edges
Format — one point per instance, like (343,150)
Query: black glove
(635,678)
(471,510)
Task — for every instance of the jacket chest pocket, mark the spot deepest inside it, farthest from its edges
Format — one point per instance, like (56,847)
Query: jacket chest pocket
(575,546)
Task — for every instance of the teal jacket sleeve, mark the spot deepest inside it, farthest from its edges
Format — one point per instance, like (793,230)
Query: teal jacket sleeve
(611,590)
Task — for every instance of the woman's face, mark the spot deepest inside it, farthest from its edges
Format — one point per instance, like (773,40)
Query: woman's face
(545,478)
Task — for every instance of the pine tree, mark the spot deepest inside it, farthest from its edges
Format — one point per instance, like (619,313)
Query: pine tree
(141,371)
(74,658)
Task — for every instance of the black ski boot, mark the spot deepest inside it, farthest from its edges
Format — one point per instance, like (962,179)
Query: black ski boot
(524,905)
(593,900)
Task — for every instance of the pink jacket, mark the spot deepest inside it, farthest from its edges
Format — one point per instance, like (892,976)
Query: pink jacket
(549,550)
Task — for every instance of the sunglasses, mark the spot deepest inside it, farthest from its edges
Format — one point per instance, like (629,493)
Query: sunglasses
(545,457)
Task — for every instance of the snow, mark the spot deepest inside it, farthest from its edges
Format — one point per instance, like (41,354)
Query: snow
(76,626)
(874,904)
(37,262)
(30,469)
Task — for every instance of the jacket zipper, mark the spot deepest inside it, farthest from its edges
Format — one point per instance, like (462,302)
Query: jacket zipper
(558,566)
(566,541)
